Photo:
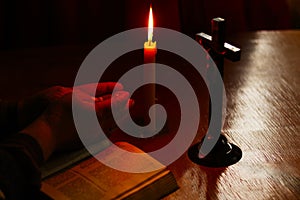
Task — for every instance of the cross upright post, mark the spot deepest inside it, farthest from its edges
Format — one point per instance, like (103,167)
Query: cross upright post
(223,153)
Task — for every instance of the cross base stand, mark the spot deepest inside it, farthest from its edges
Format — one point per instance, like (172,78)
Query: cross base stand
(222,155)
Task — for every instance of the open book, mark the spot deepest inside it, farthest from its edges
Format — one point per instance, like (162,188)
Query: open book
(89,179)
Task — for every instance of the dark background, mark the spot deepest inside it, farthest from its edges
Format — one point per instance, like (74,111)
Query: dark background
(36,23)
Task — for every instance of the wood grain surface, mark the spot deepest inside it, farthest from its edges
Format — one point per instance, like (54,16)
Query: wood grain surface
(263,119)
(263,114)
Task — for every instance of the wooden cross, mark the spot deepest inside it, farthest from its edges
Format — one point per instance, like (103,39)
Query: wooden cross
(216,45)
(223,153)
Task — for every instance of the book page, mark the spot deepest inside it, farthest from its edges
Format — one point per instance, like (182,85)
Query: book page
(61,161)
(70,185)
(91,179)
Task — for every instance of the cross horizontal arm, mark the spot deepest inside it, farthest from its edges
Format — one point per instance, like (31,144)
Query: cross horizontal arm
(230,52)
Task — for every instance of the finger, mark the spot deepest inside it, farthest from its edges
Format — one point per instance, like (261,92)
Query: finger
(105,101)
(101,98)
(100,88)
(110,123)
(108,87)
(118,101)
(130,103)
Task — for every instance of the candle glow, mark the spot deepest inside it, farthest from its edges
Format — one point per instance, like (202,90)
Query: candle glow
(150,25)
(150,44)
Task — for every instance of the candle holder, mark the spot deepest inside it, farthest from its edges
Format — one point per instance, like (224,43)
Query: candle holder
(223,153)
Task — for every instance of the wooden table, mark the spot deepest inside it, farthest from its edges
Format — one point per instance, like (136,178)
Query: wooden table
(263,119)
(263,114)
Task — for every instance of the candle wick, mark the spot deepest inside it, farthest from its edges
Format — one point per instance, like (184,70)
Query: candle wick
(149,42)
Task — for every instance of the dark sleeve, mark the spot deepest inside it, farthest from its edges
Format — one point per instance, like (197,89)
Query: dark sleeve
(8,118)
(20,159)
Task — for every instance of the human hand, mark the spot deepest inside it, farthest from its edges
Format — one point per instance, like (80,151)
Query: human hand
(30,108)
(55,129)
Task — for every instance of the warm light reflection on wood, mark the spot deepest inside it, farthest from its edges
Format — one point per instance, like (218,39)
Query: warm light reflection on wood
(263,118)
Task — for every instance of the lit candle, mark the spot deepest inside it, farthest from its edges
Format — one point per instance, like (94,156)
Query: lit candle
(149,71)
(150,46)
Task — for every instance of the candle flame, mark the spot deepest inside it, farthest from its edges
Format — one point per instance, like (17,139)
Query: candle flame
(150,25)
